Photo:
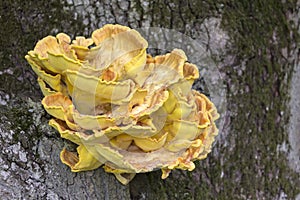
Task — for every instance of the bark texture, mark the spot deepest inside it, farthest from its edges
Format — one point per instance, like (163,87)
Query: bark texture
(255,47)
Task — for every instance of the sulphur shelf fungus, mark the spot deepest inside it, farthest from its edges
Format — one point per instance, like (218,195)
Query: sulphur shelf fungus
(127,111)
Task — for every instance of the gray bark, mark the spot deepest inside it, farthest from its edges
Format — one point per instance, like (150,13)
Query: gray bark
(253,44)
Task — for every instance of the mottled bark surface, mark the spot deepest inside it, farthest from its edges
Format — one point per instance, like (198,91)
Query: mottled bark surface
(253,44)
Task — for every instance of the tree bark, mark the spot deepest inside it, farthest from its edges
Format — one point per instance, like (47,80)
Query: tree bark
(253,44)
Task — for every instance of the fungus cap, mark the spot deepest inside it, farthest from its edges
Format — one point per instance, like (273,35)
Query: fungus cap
(127,111)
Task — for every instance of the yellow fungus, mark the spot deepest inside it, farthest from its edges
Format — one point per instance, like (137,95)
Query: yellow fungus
(127,111)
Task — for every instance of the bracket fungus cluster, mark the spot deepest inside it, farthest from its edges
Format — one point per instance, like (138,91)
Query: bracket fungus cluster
(127,111)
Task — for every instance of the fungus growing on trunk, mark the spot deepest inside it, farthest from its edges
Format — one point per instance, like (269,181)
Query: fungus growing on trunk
(127,111)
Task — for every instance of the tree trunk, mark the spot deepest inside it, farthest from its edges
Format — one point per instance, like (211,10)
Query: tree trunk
(254,46)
